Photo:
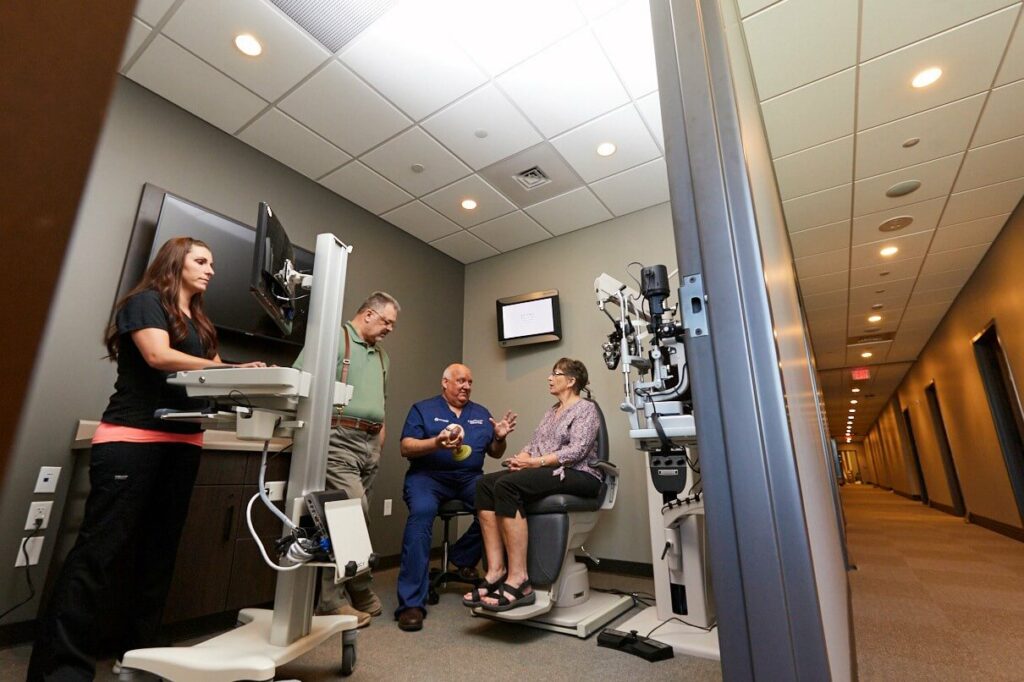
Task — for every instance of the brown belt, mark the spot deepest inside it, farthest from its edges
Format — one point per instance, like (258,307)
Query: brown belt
(371,428)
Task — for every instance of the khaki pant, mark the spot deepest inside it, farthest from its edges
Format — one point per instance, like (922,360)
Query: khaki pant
(353,459)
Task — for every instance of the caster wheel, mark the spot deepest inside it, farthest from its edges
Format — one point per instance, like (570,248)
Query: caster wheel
(433,597)
(348,659)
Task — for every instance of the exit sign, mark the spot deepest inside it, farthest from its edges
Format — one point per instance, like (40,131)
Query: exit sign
(860,373)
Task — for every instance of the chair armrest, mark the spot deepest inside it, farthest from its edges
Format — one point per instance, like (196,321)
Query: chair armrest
(608,468)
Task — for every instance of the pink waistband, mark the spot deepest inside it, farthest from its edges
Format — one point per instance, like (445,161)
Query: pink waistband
(114,433)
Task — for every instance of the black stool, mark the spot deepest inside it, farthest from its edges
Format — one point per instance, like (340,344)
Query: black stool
(440,577)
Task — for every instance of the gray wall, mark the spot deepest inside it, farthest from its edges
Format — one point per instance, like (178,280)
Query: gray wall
(147,139)
(516,378)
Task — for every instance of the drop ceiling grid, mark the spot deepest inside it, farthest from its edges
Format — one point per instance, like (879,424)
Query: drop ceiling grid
(992,7)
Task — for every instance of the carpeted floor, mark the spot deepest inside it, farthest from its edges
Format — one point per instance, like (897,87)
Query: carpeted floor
(934,598)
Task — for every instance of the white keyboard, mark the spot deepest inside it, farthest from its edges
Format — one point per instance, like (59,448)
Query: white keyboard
(277,382)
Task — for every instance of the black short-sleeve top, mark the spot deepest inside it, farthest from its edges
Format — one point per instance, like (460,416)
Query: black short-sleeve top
(140,390)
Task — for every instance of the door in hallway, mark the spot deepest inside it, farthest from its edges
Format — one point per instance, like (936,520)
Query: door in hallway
(948,465)
(915,457)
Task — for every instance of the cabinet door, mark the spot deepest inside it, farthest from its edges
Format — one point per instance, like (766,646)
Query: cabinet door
(252,581)
(202,571)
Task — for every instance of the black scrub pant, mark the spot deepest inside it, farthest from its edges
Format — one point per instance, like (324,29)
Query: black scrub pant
(136,507)
(507,492)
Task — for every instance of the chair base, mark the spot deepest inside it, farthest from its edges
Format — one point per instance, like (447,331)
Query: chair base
(581,620)
(441,580)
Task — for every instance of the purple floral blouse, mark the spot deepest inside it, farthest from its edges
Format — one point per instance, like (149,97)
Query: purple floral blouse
(571,436)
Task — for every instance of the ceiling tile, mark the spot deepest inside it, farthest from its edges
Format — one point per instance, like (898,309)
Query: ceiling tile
(820,239)
(594,9)
(983,202)
(968,56)
(152,11)
(854,355)
(526,27)
(504,175)
(930,311)
(208,29)
(820,208)
(490,204)
(487,111)
(981,231)
(942,280)
(966,258)
(570,211)
(920,298)
(396,158)
(942,131)
(625,35)
(179,76)
(873,274)
(910,246)
(828,320)
(291,143)
(924,214)
(650,109)
(810,115)
(991,164)
(342,108)
(1003,117)
(137,34)
(834,281)
(1013,62)
(812,170)
(799,41)
(511,231)
(421,221)
(892,294)
(464,247)
(829,299)
(936,178)
(412,62)
(748,7)
(858,324)
(623,128)
(823,263)
(634,189)
(868,304)
(887,25)
(566,85)
(359,184)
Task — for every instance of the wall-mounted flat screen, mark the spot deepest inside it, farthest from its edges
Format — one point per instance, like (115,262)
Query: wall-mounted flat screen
(229,303)
(529,318)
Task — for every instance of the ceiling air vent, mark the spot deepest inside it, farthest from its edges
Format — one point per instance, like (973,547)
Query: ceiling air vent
(870,338)
(532,178)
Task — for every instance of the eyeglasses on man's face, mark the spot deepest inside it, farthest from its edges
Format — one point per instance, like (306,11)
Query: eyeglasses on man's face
(386,321)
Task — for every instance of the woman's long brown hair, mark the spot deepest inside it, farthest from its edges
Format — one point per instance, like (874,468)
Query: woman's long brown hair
(164,277)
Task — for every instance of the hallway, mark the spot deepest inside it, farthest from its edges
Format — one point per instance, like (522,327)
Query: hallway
(934,598)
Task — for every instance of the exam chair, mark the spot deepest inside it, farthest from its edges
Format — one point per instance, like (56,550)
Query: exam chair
(558,527)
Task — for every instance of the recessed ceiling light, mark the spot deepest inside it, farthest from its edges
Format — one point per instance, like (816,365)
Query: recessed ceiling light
(855,390)
(481,133)
(910,142)
(875,318)
(853,402)
(468,204)
(888,251)
(248,45)
(605,149)
(416,168)
(866,354)
(853,409)
(925,78)
(901,189)
(877,306)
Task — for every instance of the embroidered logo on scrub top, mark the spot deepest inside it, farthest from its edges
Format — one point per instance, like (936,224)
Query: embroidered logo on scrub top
(439,419)
(476,421)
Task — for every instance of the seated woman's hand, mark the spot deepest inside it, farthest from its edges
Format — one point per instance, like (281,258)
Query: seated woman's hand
(523,460)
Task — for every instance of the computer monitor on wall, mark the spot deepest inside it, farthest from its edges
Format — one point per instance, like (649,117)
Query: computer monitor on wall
(529,318)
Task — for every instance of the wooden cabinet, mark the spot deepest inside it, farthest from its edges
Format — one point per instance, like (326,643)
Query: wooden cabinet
(219,567)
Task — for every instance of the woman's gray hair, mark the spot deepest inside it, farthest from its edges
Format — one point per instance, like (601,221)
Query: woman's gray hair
(379,300)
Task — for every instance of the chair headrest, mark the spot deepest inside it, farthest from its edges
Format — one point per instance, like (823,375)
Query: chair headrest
(602,433)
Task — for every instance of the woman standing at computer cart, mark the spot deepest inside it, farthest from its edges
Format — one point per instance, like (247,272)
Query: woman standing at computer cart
(141,469)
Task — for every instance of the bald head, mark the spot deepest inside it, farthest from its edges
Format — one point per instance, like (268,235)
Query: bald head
(456,385)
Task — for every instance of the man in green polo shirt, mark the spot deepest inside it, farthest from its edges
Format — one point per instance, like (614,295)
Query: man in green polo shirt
(353,455)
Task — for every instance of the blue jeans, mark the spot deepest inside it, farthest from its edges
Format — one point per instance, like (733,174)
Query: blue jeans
(425,491)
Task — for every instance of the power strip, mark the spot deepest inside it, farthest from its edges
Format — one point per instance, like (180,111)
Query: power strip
(632,643)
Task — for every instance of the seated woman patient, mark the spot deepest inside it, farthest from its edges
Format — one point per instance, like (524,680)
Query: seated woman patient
(561,458)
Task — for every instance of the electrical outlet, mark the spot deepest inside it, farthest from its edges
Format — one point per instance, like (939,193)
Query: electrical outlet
(387,507)
(275,490)
(47,481)
(38,511)
(33,546)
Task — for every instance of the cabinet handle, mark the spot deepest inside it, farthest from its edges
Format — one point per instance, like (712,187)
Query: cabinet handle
(229,522)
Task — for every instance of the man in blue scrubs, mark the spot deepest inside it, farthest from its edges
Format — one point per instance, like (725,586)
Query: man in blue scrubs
(438,472)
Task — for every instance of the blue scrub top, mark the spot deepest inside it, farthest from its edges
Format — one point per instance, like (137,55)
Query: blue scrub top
(429,417)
